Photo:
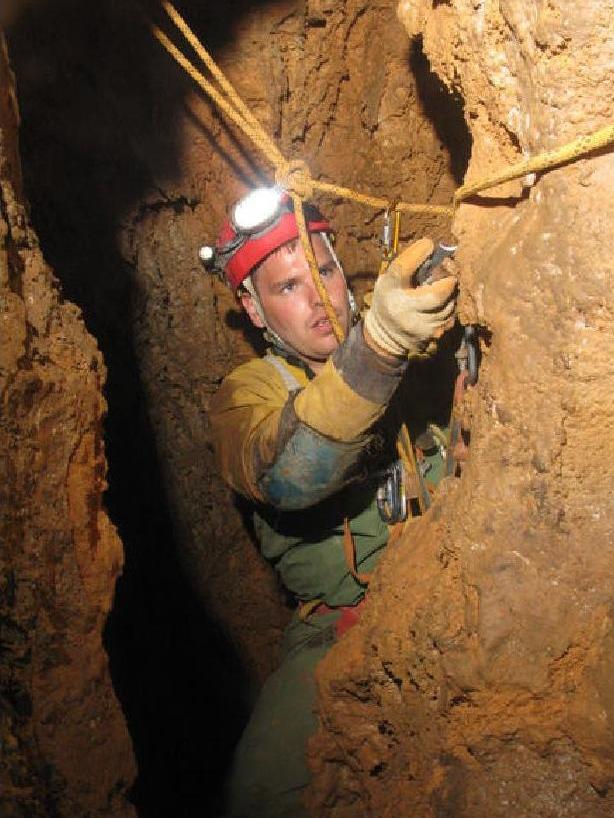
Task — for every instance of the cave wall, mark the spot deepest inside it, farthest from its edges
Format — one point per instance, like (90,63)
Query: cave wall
(65,749)
(479,681)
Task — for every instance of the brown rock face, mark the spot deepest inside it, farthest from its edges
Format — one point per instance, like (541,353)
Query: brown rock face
(65,747)
(476,684)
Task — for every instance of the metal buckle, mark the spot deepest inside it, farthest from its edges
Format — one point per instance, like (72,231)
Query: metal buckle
(391,498)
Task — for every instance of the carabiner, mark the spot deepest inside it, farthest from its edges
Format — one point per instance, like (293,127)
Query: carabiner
(467,355)
(472,355)
(391,498)
(387,235)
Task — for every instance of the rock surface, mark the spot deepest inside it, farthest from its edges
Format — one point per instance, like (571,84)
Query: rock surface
(479,680)
(65,747)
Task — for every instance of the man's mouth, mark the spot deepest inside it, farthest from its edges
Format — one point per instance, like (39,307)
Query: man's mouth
(321,323)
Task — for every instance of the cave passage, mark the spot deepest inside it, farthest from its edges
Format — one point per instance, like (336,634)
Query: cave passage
(93,125)
(104,136)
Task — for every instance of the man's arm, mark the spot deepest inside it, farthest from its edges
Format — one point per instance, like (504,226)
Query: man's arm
(292,452)
(325,427)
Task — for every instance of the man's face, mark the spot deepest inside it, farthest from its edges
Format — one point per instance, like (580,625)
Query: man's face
(291,304)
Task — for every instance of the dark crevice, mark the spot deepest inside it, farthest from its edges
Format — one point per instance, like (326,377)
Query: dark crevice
(177,204)
(100,105)
(445,109)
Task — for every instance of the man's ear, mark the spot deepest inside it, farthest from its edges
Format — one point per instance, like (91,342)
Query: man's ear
(248,305)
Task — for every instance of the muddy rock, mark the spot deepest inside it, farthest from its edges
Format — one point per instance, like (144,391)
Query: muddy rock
(65,747)
(475,684)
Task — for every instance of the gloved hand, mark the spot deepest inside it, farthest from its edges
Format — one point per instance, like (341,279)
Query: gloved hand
(404,319)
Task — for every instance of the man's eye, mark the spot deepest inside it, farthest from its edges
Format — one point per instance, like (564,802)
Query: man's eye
(288,287)
(327,271)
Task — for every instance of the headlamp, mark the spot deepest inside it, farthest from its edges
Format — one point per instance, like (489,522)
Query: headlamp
(252,216)
(258,224)
(257,210)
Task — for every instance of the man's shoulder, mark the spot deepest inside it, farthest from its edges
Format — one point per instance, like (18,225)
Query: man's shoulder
(258,379)
(271,370)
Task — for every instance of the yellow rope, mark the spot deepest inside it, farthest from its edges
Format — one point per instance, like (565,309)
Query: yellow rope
(295,177)
(543,161)
(222,79)
(258,137)
(317,279)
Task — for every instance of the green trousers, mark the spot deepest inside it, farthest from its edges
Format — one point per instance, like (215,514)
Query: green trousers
(270,773)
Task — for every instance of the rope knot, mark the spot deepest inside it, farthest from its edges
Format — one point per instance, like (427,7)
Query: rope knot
(295,177)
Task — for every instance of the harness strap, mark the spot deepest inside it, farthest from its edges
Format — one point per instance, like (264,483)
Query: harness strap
(290,380)
(349,549)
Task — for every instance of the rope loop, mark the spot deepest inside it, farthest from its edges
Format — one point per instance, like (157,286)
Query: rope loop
(295,177)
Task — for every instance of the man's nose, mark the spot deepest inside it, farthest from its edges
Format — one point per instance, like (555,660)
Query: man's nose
(314,296)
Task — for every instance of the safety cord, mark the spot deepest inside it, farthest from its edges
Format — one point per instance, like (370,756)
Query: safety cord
(313,267)
(349,551)
(537,164)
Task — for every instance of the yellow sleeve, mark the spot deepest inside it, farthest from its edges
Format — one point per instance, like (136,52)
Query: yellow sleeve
(331,407)
(298,451)
(245,415)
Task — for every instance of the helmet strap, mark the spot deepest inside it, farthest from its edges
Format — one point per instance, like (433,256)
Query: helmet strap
(249,286)
(270,335)
(351,299)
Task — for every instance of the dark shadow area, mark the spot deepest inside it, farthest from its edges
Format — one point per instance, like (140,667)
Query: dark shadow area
(246,509)
(428,389)
(238,320)
(99,103)
(497,201)
(444,109)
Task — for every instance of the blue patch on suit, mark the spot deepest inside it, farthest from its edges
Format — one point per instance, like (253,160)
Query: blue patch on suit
(310,468)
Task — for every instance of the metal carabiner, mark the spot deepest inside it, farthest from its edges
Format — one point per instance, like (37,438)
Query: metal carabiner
(391,498)
(472,355)
(391,231)
(387,234)
(467,355)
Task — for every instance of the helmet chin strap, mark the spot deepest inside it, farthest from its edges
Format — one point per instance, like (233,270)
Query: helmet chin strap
(269,333)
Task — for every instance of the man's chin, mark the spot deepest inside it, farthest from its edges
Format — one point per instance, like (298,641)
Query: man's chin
(323,352)
(314,347)
(318,353)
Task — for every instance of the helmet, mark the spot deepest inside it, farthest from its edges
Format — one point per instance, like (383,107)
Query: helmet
(260,223)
